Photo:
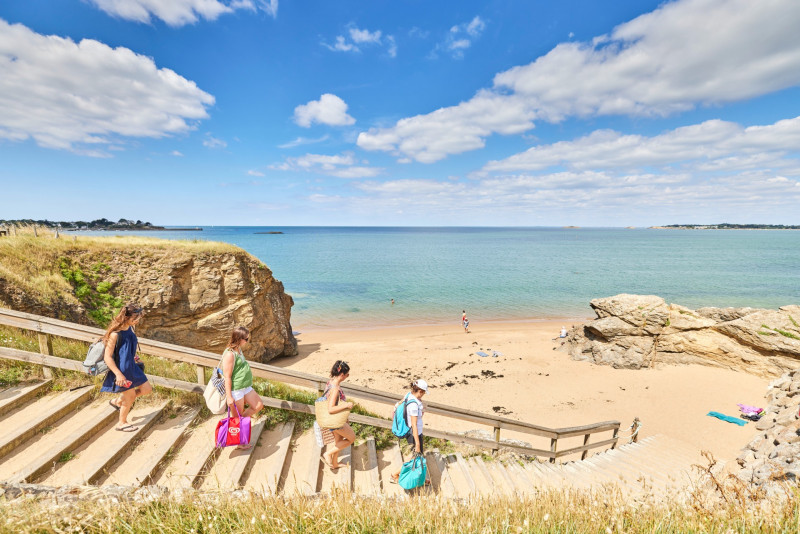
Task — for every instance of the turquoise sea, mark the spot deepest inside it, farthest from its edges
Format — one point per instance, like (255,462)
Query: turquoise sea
(346,276)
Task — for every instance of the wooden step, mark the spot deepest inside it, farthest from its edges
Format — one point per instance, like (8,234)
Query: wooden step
(269,458)
(136,468)
(436,464)
(21,394)
(484,484)
(341,478)
(523,482)
(227,471)
(366,480)
(42,452)
(24,423)
(192,453)
(467,472)
(300,475)
(390,461)
(463,485)
(92,459)
(502,484)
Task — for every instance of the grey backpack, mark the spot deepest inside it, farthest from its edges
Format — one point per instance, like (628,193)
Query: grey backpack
(94,362)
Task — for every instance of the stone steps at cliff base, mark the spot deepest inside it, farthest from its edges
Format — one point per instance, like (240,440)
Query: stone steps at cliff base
(264,472)
(192,453)
(44,451)
(20,394)
(92,458)
(136,468)
(23,424)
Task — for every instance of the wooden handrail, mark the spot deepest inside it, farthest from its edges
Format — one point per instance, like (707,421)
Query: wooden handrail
(49,326)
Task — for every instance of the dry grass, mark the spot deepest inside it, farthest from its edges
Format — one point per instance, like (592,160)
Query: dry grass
(31,263)
(573,512)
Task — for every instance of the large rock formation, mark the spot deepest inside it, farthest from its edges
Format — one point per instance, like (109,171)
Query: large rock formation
(193,294)
(774,452)
(635,331)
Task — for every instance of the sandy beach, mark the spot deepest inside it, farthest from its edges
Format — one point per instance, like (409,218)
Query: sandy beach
(532,382)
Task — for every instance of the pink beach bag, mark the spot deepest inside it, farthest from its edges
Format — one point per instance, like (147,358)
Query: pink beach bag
(233,431)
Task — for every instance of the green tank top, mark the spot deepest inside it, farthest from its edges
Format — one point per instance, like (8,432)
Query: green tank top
(241,377)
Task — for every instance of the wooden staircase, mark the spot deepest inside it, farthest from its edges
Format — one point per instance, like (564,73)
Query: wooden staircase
(66,438)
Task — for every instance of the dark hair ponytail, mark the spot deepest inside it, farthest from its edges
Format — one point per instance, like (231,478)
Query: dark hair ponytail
(340,367)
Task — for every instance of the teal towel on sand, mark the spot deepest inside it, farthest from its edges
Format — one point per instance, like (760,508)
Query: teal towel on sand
(728,418)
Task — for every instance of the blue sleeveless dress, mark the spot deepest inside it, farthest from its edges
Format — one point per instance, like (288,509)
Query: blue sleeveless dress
(126,351)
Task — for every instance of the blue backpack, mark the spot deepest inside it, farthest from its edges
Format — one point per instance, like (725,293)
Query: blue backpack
(400,426)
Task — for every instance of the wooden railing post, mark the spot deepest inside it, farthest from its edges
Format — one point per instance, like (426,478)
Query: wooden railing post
(201,374)
(46,347)
(615,437)
(553,448)
(585,441)
(497,438)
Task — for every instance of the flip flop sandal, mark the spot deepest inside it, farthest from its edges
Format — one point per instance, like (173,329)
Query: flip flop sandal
(330,465)
(127,428)
(393,480)
(111,403)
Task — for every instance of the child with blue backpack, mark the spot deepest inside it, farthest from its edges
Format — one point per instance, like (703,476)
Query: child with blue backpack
(409,425)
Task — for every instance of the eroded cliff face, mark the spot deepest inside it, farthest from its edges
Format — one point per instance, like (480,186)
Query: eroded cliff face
(190,298)
(636,331)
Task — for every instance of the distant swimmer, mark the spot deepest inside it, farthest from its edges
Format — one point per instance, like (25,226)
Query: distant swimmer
(465,321)
(392,302)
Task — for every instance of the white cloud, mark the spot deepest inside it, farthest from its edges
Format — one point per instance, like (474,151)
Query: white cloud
(304,141)
(252,172)
(176,153)
(329,109)
(362,37)
(684,54)
(84,96)
(212,142)
(340,165)
(713,145)
(460,37)
(180,12)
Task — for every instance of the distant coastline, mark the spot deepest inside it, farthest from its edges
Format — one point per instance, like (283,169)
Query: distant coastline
(98,224)
(727,226)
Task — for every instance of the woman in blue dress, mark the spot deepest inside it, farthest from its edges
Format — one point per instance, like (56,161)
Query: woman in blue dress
(124,375)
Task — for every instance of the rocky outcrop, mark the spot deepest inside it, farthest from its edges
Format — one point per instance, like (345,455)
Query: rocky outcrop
(774,452)
(636,331)
(193,295)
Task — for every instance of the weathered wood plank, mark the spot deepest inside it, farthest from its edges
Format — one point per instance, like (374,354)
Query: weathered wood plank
(15,396)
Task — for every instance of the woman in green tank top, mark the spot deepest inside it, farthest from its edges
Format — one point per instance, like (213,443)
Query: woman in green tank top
(238,377)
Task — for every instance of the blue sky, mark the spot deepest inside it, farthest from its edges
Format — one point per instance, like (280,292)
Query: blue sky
(529,113)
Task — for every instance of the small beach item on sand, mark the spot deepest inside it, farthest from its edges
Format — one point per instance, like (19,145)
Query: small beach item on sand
(728,418)
(482,354)
(495,354)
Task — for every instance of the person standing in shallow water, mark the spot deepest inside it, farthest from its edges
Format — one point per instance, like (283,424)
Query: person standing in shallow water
(343,436)
(124,376)
(239,378)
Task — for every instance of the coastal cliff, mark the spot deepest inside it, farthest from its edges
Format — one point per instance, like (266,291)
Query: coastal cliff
(637,331)
(193,293)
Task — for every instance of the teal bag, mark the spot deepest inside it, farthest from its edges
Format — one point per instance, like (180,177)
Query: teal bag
(413,473)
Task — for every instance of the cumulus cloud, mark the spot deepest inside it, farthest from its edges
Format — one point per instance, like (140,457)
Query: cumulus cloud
(180,12)
(253,172)
(356,36)
(713,145)
(85,96)
(299,141)
(329,109)
(684,54)
(340,165)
